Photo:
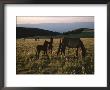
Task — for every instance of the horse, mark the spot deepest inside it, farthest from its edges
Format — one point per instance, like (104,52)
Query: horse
(50,45)
(37,39)
(61,48)
(45,47)
(40,48)
(71,43)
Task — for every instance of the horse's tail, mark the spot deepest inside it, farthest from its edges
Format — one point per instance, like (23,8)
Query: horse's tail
(83,49)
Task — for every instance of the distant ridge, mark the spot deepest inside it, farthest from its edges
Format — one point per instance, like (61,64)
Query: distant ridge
(78,31)
(22,32)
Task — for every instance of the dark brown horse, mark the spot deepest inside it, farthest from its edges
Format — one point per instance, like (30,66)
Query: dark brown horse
(61,48)
(50,45)
(37,39)
(71,43)
(40,48)
(45,47)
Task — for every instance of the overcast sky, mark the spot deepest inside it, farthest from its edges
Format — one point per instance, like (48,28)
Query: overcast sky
(61,19)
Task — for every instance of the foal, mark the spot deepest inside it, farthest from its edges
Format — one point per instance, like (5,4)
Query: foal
(40,48)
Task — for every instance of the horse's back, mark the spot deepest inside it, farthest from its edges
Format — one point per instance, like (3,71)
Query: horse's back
(72,42)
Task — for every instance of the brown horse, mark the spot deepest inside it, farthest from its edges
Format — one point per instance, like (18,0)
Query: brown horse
(40,48)
(37,39)
(71,43)
(61,48)
(50,45)
(45,47)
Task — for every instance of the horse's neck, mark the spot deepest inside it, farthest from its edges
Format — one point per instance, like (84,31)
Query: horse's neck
(45,43)
(51,41)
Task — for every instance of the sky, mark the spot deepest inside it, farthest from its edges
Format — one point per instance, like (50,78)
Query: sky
(56,23)
(48,19)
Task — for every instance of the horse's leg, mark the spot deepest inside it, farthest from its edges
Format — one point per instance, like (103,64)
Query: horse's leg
(77,53)
(37,54)
(58,51)
(63,52)
(83,49)
(51,50)
(46,54)
(51,53)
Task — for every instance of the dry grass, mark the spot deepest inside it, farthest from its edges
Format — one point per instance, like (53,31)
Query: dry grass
(26,62)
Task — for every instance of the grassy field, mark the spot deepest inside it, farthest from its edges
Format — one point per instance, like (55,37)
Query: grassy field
(26,62)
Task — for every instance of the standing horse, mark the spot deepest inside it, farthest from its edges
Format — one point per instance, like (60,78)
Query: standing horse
(45,47)
(71,43)
(37,39)
(50,45)
(61,48)
(40,48)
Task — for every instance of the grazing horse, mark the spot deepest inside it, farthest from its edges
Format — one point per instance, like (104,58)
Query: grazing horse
(40,48)
(71,43)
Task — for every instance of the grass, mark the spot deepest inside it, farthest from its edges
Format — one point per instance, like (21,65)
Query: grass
(26,62)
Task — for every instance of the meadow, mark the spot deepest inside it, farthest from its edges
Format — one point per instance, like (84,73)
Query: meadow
(26,62)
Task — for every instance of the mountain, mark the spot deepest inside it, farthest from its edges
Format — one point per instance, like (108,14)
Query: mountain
(59,27)
(22,32)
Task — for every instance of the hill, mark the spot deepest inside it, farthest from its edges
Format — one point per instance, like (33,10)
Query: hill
(22,32)
(81,32)
(78,31)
